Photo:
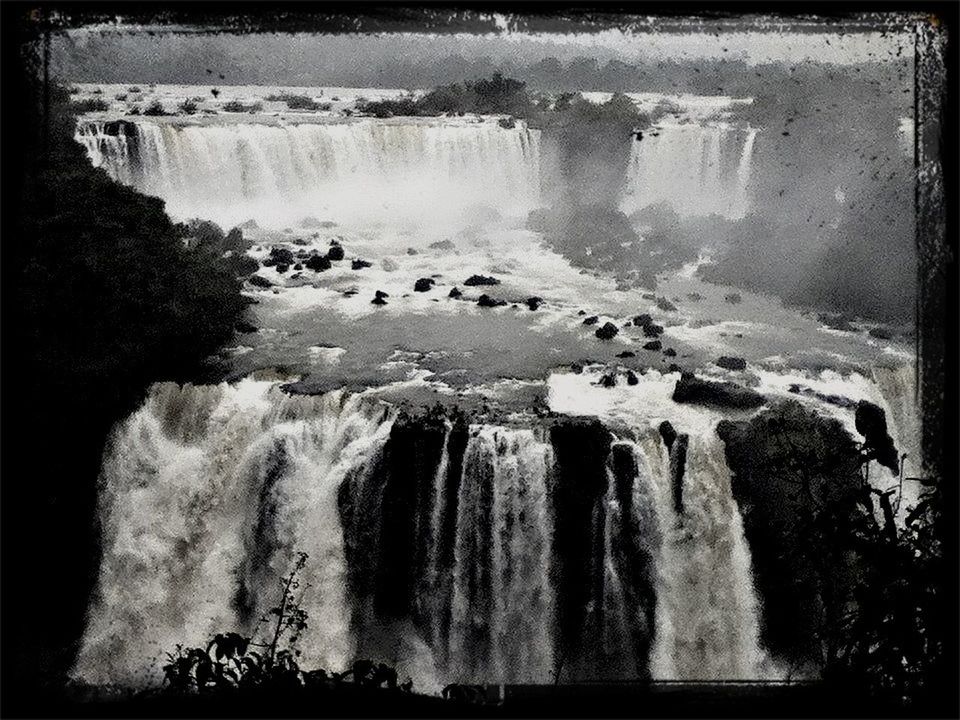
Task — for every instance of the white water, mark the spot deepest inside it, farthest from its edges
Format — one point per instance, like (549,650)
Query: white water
(209,489)
(503,511)
(365,170)
(708,615)
(699,169)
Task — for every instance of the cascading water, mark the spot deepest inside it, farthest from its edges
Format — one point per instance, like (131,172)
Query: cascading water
(277,174)
(699,169)
(206,493)
(432,545)
(708,615)
(502,607)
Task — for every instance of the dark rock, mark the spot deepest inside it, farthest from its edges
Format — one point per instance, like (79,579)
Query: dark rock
(592,320)
(298,266)
(667,433)
(608,380)
(581,312)
(259,281)
(837,321)
(673,367)
(731,363)
(381,294)
(771,457)
(379,299)
(442,245)
(282,268)
(880,333)
(317,263)
(670,352)
(607,332)
(534,302)
(359,264)
(424,284)
(455,293)
(474,280)
(626,354)
(632,378)
(412,251)
(245,328)
(691,389)
(732,298)
(652,330)
(871,422)
(665,305)
(335,252)
(652,345)
(678,466)
(281,256)
(642,320)
(487,301)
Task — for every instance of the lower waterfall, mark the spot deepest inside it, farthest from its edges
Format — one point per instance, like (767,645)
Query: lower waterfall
(455,552)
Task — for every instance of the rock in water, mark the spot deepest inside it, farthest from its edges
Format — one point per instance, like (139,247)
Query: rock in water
(607,332)
(534,302)
(665,305)
(732,363)
(259,281)
(317,263)
(608,380)
(455,293)
(668,433)
(487,301)
(424,284)
(359,264)
(652,345)
(691,389)
(592,320)
(481,280)
(650,330)
(335,252)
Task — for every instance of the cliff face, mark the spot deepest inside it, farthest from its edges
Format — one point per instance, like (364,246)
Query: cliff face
(796,477)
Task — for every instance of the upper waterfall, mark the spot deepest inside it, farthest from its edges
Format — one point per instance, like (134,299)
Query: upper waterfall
(278,173)
(699,169)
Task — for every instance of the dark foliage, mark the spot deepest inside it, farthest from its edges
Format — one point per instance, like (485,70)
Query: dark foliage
(102,298)
(846,591)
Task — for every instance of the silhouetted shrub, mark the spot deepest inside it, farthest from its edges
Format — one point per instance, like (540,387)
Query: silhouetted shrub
(155,108)
(90,105)
(236,106)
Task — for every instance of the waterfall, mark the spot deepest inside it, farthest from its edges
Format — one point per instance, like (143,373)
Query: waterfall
(708,614)
(455,552)
(359,170)
(502,607)
(699,169)
(206,493)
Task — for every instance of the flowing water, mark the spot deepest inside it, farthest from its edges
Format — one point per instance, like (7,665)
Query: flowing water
(450,550)
(698,169)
